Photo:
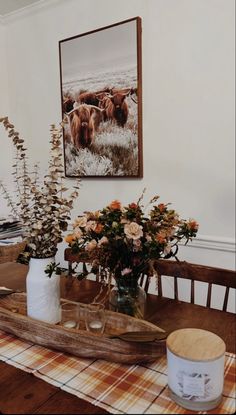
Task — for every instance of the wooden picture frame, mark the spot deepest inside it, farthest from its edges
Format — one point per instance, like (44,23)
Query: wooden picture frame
(101,100)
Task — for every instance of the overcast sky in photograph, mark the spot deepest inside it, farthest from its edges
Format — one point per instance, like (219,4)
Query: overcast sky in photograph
(98,51)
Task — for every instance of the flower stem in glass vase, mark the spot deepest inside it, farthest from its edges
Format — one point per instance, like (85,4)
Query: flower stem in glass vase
(128,297)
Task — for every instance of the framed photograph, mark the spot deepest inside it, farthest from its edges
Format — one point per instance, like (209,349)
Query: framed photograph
(101,99)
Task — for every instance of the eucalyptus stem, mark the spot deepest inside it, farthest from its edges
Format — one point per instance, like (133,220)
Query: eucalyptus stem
(42,206)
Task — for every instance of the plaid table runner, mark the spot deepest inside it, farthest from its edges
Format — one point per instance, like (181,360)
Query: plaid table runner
(118,388)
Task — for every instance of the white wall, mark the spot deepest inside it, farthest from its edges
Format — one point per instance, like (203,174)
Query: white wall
(5,167)
(3,70)
(188,105)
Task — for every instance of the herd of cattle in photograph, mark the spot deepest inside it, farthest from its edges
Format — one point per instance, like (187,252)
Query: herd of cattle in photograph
(101,134)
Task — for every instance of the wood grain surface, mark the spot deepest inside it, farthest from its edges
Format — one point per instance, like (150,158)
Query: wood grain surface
(22,393)
(196,345)
(82,343)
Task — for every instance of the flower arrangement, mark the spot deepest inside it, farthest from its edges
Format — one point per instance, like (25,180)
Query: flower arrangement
(43,208)
(125,241)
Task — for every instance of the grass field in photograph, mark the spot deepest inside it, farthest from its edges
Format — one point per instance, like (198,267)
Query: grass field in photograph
(114,151)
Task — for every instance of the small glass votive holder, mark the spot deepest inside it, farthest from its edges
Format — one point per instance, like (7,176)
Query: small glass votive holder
(95,318)
(70,315)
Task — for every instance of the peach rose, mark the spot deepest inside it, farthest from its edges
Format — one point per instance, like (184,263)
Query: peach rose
(91,225)
(193,225)
(80,221)
(103,241)
(77,232)
(133,205)
(115,205)
(167,249)
(133,230)
(91,245)
(137,245)
(123,220)
(97,214)
(161,237)
(161,207)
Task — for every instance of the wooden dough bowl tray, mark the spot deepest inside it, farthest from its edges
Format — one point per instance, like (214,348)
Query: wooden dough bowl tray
(79,342)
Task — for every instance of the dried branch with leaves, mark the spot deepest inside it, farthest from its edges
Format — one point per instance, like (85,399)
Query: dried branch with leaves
(43,208)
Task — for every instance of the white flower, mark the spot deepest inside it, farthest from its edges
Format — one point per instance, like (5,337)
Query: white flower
(77,232)
(133,230)
(102,241)
(97,214)
(167,249)
(91,245)
(81,221)
(137,245)
(91,225)
(148,238)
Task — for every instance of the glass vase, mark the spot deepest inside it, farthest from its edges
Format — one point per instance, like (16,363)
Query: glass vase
(128,297)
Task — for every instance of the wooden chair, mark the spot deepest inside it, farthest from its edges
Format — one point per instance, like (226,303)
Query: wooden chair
(10,253)
(176,270)
(192,272)
(80,259)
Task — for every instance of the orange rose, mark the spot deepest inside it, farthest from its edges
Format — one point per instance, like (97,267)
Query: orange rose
(99,228)
(115,205)
(161,207)
(133,205)
(193,225)
(70,238)
(161,237)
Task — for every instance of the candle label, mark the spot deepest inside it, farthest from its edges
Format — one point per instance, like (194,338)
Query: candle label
(194,385)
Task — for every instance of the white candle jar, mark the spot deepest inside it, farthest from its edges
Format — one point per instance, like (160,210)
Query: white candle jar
(195,364)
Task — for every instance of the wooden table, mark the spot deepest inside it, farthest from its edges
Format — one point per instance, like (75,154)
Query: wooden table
(22,393)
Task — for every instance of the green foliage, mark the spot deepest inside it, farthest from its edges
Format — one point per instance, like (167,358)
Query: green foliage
(53,268)
(125,240)
(42,207)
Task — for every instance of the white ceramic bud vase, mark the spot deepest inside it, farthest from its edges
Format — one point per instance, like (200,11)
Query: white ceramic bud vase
(43,292)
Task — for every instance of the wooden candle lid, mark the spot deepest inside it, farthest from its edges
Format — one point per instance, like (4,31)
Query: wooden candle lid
(195,344)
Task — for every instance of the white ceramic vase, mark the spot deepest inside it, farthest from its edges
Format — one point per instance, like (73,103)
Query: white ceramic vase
(43,292)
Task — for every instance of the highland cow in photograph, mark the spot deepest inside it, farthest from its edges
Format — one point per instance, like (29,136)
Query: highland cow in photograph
(101,100)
